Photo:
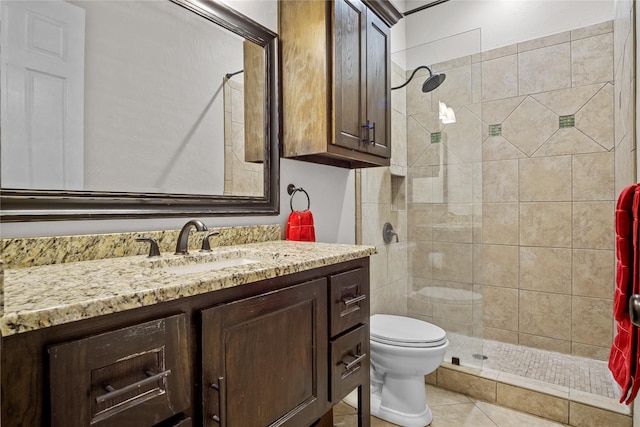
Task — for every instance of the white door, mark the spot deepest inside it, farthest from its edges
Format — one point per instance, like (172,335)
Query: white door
(42,95)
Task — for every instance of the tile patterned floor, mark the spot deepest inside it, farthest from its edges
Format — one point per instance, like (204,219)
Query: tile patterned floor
(573,372)
(454,410)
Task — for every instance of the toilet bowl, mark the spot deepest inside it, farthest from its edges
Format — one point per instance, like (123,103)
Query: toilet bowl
(403,351)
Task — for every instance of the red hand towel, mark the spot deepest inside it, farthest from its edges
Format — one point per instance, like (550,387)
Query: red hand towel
(300,227)
(622,358)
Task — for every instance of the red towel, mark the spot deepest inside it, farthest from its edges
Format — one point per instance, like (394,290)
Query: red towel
(623,362)
(300,227)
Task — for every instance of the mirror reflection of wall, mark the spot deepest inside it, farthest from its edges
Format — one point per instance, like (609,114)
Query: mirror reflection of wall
(148,114)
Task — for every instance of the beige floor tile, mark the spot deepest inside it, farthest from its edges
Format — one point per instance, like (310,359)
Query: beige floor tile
(505,417)
(460,415)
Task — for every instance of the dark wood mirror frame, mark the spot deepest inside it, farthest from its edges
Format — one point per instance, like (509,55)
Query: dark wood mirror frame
(40,205)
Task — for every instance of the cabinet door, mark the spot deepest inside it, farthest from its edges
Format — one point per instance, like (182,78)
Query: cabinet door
(349,32)
(378,86)
(264,359)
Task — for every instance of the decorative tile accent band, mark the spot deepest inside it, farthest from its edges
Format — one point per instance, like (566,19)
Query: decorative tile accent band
(495,130)
(567,121)
(436,137)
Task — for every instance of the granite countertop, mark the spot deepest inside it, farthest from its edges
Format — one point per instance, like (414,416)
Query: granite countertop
(38,297)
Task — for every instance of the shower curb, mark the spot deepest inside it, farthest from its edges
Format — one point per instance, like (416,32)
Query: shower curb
(553,402)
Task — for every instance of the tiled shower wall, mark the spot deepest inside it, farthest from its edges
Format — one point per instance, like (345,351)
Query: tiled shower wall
(515,204)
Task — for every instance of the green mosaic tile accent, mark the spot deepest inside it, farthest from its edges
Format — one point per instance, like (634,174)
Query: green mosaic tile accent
(495,130)
(567,121)
(436,137)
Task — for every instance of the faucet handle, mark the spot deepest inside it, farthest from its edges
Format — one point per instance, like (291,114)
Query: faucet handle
(154,250)
(206,247)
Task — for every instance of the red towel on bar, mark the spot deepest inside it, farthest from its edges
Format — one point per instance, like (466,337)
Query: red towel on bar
(300,227)
(623,362)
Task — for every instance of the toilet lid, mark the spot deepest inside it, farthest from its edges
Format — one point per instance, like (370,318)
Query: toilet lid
(405,331)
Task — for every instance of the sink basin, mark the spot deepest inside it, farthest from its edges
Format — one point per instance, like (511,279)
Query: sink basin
(200,262)
(209,266)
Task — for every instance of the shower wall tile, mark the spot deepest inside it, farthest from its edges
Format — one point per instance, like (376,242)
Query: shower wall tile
(453,223)
(419,221)
(544,41)
(593,273)
(502,335)
(546,343)
(498,266)
(452,261)
(545,314)
(625,164)
(591,351)
(545,179)
(500,78)
(545,224)
(591,321)
(545,269)
(390,299)
(567,101)
(499,52)
(399,140)
(459,179)
(398,96)
(544,69)
(593,225)
(378,268)
(455,95)
(500,223)
(495,112)
(498,148)
(397,263)
(568,141)
(500,181)
(592,59)
(529,126)
(500,307)
(377,185)
(592,176)
(421,261)
(592,30)
(594,119)
(464,137)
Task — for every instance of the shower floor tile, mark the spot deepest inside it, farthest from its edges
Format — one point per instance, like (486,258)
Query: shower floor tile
(573,372)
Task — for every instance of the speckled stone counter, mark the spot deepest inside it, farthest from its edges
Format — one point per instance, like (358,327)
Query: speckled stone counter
(48,295)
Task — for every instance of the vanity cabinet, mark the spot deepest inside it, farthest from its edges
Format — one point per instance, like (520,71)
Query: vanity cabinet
(336,81)
(277,352)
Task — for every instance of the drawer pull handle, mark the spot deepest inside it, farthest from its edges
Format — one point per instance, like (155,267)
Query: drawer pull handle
(113,393)
(222,402)
(354,362)
(354,300)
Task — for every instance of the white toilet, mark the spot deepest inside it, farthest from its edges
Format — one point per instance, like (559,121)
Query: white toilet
(403,351)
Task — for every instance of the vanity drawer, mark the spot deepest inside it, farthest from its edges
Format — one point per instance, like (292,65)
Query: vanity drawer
(135,376)
(349,299)
(349,362)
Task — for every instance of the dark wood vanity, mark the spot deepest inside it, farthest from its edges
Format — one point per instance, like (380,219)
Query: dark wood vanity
(279,351)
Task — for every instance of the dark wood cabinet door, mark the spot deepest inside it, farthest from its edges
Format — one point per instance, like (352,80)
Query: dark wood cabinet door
(378,86)
(264,359)
(349,32)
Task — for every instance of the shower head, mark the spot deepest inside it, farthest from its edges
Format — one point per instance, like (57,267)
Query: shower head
(432,82)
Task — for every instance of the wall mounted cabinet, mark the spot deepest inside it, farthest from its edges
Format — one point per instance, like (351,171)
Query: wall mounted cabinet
(336,81)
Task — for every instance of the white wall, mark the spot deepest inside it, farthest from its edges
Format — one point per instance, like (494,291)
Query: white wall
(332,190)
(502,22)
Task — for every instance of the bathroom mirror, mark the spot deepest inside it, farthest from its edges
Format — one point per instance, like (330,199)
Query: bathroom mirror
(136,109)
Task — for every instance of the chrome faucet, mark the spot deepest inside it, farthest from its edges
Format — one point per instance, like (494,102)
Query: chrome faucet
(182,247)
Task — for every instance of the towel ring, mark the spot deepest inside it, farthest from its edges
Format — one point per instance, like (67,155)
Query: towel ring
(292,190)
